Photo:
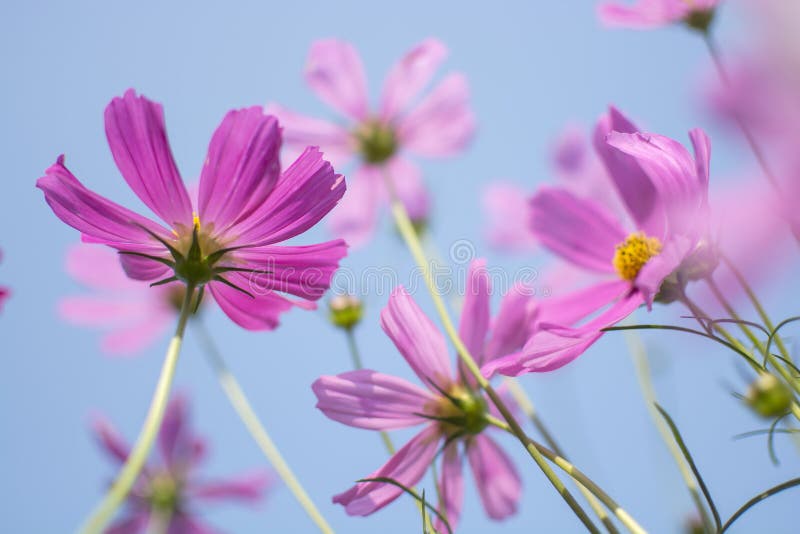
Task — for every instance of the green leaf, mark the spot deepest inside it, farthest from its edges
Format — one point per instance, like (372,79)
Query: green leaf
(421,500)
(757,499)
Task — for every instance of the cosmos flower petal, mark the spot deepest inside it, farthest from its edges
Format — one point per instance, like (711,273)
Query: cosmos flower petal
(249,487)
(306,192)
(132,524)
(406,466)
(475,314)
(241,169)
(498,483)
(410,75)
(451,488)
(335,72)
(355,218)
(579,230)
(661,266)
(417,339)
(366,399)
(443,123)
(410,188)
(300,131)
(133,338)
(99,218)
(109,439)
(568,309)
(261,311)
(647,14)
(513,324)
(173,437)
(507,212)
(97,267)
(138,141)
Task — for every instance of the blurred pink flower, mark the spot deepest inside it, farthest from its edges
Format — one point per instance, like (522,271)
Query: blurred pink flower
(440,124)
(646,14)
(245,206)
(451,409)
(665,192)
(169,490)
(4,292)
(134,314)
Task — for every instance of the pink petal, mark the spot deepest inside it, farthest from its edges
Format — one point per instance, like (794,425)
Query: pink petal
(259,312)
(136,337)
(301,271)
(241,169)
(306,192)
(498,483)
(568,309)
(579,230)
(507,211)
(300,131)
(513,324)
(407,466)
(97,267)
(417,339)
(366,399)
(475,314)
(249,487)
(334,71)
(410,75)
(659,267)
(443,123)
(174,437)
(632,184)
(144,269)
(109,439)
(410,189)
(89,213)
(643,14)
(103,310)
(355,218)
(451,488)
(138,140)
(183,523)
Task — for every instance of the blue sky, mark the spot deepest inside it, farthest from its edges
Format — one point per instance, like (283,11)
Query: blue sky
(533,67)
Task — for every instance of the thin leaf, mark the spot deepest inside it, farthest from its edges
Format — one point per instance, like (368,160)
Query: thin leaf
(757,499)
(393,482)
(763,431)
(771,441)
(777,328)
(677,435)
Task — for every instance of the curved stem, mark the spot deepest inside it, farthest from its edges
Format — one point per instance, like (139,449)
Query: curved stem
(409,235)
(577,475)
(639,354)
(251,421)
(152,423)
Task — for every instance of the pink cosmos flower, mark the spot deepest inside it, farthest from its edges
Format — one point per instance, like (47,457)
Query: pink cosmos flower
(451,409)
(133,314)
(440,124)
(170,490)
(245,207)
(646,14)
(4,293)
(665,192)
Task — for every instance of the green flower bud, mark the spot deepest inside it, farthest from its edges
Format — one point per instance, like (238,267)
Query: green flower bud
(345,311)
(768,396)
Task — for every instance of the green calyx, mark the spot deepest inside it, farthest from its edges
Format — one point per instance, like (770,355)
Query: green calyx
(377,142)
(700,19)
(461,411)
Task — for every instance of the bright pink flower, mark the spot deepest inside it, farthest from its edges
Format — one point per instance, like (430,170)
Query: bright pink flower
(451,409)
(665,192)
(245,206)
(134,314)
(578,169)
(440,124)
(170,489)
(646,14)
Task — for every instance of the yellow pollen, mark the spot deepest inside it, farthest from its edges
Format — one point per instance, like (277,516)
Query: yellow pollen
(633,253)
(196,220)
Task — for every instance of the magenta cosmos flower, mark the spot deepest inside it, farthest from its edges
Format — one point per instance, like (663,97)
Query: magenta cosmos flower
(133,314)
(245,207)
(652,253)
(170,490)
(440,124)
(451,410)
(645,14)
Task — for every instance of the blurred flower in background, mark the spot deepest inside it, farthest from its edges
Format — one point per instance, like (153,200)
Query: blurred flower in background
(646,14)
(4,292)
(168,495)
(439,124)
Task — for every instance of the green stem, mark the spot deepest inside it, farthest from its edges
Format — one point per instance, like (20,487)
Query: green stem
(578,476)
(133,464)
(639,354)
(406,229)
(251,421)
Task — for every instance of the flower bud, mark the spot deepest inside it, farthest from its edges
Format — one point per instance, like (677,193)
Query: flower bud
(768,396)
(345,311)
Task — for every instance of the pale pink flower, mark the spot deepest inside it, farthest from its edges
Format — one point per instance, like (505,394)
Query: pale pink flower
(245,207)
(646,14)
(170,489)
(437,125)
(450,408)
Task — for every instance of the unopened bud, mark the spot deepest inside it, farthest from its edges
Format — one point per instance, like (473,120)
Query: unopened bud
(768,396)
(345,311)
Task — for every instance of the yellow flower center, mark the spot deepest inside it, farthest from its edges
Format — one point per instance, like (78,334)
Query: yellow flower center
(632,254)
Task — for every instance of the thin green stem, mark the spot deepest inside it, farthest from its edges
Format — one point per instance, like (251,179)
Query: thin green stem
(720,296)
(578,476)
(138,456)
(257,430)
(639,355)
(409,235)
